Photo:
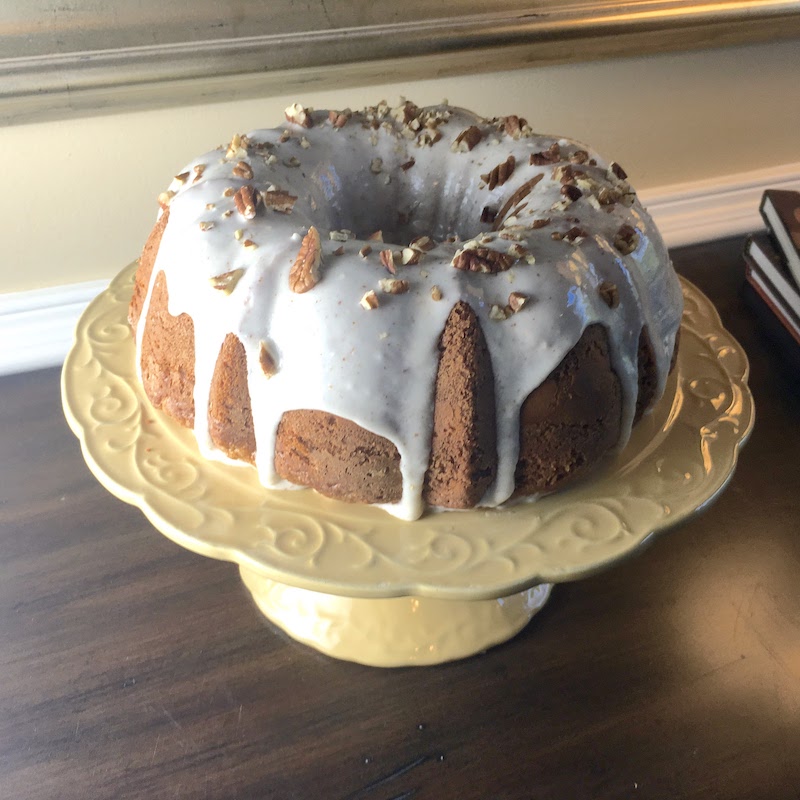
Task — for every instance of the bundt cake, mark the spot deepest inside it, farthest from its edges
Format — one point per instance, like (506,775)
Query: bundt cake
(413,307)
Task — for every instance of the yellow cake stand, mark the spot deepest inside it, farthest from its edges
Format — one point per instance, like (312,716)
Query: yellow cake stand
(358,584)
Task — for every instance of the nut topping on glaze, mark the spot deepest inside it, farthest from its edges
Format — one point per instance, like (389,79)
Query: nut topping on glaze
(408,164)
(198,172)
(550,156)
(226,282)
(610,294)
(515,126)
(298,115)
(304,274)
(467,139)
(278,200)
(499,313)
(571,192)
(237,147)
(575,235)
(387,259)
(182,178)
(436,293)
(482,259)
(165,198)
(246,200)
(369,301)
(243,170)
(340,118)
(393,285)
(616,170)
(268,364)
(516,300)
(422,243)
(579,157)
(626,240)
(500,174)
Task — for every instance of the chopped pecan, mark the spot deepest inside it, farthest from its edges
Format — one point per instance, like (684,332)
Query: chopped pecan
(165,198)
(236,148)
(550,156)
(626,240)
(246,200)
(514,126)
(393,285)
(422,243)
(500,174)
(268,364)
(410,256)
(617,171)
(304,274)
(387,259)
(499,313)
(575,235)
(436,293)
(482,259)
(467,139)
(408,164)
(571,192)
(226,282)
(609,293)
(516,300)
(488,214)
(279,200)
(340,118)
(579,157)
(182,178)
(299,115)
(243,170)
(540,223)
(369,301)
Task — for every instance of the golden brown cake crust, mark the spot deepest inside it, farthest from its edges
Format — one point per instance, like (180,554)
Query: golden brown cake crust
(572,419)
(230,417)
(145,270)
(337,458)
(168,357)
(463,461)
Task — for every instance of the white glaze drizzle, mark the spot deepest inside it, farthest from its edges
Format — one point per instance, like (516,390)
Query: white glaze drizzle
(378,367)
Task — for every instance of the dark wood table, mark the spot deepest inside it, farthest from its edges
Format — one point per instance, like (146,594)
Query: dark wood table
(132,668)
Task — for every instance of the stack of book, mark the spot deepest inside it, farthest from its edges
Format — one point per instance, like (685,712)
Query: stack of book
(772,259)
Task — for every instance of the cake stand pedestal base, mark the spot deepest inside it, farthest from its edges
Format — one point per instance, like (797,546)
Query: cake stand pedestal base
(394,631)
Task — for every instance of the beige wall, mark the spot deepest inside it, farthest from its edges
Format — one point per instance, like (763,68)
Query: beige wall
(78,195)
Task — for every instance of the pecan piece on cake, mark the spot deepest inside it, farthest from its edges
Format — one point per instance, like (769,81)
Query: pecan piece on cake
(482,259)
(304,274)
(500,174)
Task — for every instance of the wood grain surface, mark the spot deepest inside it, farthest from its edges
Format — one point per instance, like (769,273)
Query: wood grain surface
(130,668)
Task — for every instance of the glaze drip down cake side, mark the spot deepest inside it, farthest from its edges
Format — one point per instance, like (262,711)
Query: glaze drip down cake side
(412,307)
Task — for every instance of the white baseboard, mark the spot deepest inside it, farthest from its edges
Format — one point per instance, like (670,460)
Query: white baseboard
(36,326)
(701,211)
